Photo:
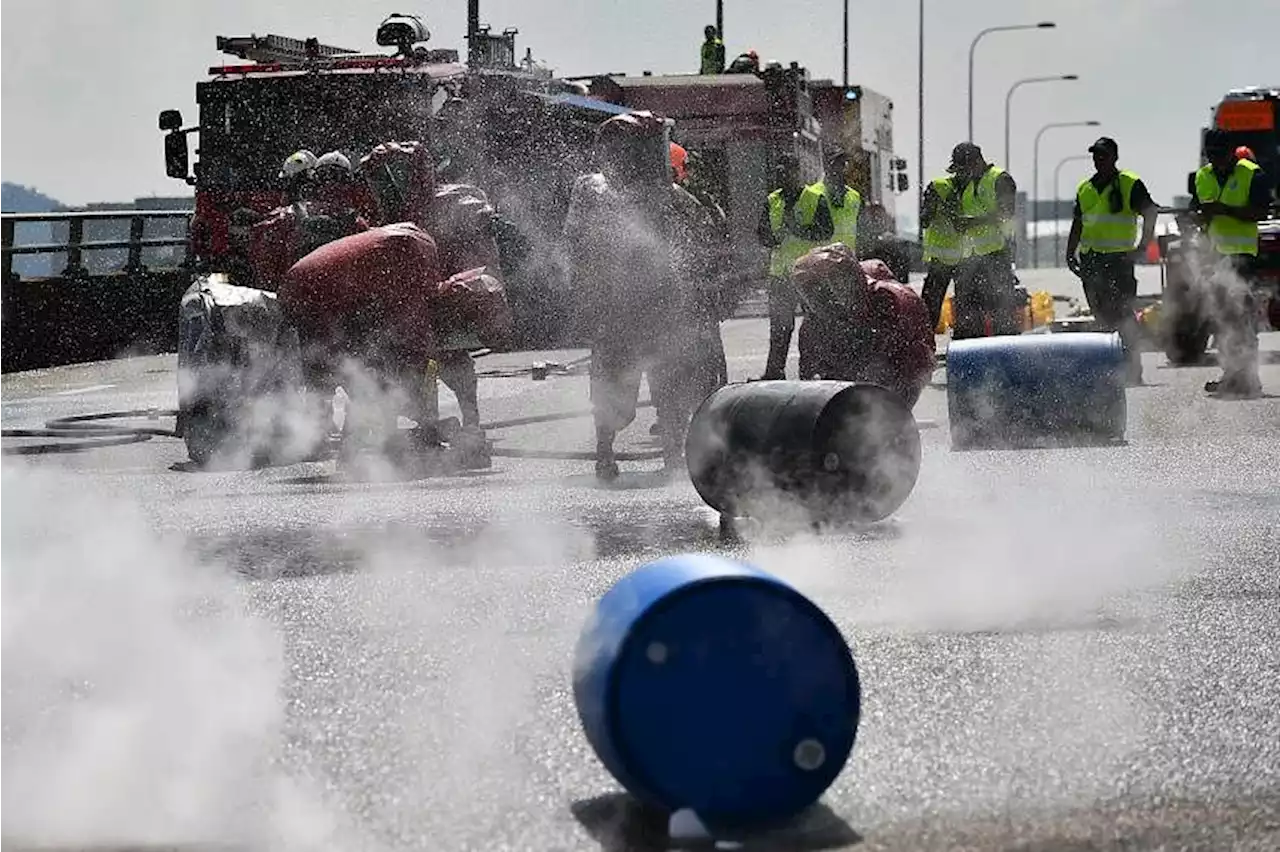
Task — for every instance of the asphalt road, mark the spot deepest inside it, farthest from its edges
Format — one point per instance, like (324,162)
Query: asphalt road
(1060,649)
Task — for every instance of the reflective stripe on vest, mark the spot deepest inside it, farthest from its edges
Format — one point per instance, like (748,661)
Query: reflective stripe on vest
(1229,235)
(1102,231)
(844,217)
(710,65)
(942,242)
(792,247)
(980,200)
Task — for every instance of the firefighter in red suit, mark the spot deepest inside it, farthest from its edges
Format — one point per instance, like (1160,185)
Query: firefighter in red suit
(472,311)
(322,207)
(399,298)
(619,232)
(860,325)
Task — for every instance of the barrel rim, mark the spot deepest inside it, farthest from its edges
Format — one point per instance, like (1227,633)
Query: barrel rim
(830,421)
(622,749)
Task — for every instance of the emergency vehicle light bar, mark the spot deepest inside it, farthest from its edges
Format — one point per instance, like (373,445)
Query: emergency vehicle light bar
(274,48)
(1246,115)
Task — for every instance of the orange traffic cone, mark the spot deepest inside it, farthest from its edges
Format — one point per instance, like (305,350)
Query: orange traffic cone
(1153,252)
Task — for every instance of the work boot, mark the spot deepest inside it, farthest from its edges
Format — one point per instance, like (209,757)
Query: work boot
(606,469)
(1239,385)
(1133,374)
(472,448)
(606,461)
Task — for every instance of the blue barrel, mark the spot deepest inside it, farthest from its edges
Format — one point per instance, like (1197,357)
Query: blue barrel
(708,684)
(1004,391)
(842,450)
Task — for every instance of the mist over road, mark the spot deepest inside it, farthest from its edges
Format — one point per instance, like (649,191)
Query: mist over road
(1060,646)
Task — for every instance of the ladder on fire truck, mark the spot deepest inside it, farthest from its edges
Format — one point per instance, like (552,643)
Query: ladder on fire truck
(274,48)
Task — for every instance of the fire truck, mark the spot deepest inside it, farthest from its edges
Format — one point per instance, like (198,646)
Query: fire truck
(288,94)
(1250,117)
(740,124)
(525,137)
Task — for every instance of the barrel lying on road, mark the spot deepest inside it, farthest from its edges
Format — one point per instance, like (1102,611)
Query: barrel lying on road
(841,451)
(706,684)
(1014,390)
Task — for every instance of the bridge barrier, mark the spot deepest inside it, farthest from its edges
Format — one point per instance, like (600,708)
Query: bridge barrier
(114,294)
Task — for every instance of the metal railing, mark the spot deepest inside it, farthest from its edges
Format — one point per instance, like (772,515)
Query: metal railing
(75,245)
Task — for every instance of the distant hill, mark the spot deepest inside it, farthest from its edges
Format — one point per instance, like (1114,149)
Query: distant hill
(23,199)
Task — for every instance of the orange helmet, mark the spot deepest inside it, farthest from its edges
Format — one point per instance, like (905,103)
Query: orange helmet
(679,162)
(1244,152)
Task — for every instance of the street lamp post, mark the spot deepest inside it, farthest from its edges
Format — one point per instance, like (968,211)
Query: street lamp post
(1057,170)
(1008,104)
(920,129)
(1043,25)
(846,45)
(1035,184)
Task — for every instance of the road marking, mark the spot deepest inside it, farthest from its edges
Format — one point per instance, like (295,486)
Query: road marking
(89,389)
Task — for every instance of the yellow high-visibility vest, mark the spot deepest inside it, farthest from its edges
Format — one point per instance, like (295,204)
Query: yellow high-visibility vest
(1101,231)
(711,63)
(979,199)
(1228,235)
(792,247)
(844,216)
(942,242)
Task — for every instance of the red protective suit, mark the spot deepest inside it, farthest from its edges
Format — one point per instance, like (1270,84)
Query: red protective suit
(373,289)
(861,325)
(281,238)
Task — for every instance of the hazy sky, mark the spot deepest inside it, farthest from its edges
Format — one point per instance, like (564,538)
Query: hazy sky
(83,80)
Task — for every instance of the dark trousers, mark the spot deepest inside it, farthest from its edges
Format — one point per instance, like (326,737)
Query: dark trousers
(984,290)
(782,324)
(934,292)
(1110,287)
(1235,316)
(617,366)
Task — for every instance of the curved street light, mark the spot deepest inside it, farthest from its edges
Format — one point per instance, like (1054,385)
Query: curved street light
(1008,103)
(1057,170)
(1035,184)
(1043,25)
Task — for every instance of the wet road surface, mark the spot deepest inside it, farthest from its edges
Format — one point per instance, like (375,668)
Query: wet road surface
(1060,649)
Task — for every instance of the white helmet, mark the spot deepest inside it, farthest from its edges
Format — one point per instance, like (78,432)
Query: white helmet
(298,164)
(334,160)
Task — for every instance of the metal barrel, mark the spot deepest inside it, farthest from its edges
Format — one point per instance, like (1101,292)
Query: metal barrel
(843,451)
(707,684)
(1004,391)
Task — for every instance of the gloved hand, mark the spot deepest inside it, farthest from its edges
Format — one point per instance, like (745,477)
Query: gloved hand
(1073,263)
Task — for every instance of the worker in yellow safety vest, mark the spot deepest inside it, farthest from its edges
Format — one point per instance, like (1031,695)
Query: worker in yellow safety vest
(984,279)
(789,229)
(843,201)
(712,51)
(1104,228)
(943,244)
(1231,195)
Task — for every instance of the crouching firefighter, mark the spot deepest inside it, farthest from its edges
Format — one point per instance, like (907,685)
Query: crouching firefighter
(618,232)
(374,312)
(860,325)
(322,208)
(472,311)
